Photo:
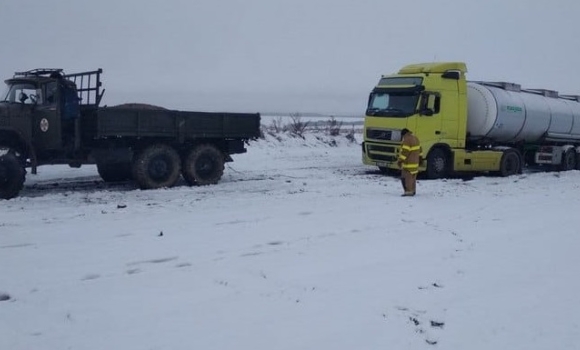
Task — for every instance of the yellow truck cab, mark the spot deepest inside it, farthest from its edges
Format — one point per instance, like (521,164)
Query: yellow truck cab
(468,126)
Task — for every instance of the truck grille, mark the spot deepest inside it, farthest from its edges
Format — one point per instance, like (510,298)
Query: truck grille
(382,157)
(384,149)
(382,153)
(377,134)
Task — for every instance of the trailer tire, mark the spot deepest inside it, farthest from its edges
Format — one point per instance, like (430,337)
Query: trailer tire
(156,166)
(115,172)
(12,175)
(437,164)
(568,160)
(203,165)
(510,163)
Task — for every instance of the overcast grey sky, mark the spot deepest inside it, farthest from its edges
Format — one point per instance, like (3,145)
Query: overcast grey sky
(287,55)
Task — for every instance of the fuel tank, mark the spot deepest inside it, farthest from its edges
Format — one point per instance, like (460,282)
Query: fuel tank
(503,112)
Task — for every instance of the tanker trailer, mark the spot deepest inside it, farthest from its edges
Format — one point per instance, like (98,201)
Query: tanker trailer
(469,126)
(543,124)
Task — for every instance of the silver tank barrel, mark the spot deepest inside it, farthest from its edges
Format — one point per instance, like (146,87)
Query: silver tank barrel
(502,112)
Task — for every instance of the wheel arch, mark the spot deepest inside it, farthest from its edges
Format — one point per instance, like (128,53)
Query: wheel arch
(440,146)
(445,147)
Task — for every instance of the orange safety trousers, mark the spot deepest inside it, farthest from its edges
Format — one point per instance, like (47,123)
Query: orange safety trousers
(409,181)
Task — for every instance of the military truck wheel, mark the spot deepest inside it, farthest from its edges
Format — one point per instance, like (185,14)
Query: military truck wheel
(510,164)
(568,160)
(203,165)
(156,166)
(114,172)
(437,164)
(11,175)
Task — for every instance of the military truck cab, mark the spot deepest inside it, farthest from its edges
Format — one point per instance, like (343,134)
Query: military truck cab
(40,108)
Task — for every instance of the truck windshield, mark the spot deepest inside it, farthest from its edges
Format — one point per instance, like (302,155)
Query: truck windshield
(393,104)
(26,93)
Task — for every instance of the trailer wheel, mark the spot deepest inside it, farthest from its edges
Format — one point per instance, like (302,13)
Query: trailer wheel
(510,164)
(437,164)
(114,172)
(568,160)
(12,176)
(156,166)
(203,165)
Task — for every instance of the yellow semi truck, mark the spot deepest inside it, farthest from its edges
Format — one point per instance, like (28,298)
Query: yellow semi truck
(469,126)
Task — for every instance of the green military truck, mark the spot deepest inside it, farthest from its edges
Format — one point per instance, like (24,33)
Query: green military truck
(48,117)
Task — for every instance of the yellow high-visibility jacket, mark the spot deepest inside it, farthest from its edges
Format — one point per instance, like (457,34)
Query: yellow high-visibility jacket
(411,153)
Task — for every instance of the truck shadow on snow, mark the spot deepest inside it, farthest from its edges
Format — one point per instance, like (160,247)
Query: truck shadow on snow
(465,176)
(93,184)
(85,184)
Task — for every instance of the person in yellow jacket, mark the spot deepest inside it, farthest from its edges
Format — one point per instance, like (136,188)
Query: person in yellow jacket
(409,159)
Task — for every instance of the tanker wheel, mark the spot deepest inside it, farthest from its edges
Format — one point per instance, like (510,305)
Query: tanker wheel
(156,166)
(437,164)
(510,164)
(203,165)
(114,172)
(12,175)
(568,160)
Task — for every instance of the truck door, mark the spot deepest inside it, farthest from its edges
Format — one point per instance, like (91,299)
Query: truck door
(429,123)
(69,114)
(46,125)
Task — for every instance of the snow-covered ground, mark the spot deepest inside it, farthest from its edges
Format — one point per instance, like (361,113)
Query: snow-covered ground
(300,246)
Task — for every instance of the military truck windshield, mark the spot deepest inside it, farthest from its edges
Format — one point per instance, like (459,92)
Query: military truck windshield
(21,93)
(393,104)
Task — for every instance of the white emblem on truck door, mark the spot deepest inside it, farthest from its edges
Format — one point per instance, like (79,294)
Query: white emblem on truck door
(44,124)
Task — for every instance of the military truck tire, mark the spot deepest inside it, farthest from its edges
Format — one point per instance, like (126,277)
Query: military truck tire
(157,166)
(203,165)
(510,164)
(437,164)
(12,176)
(115,172)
